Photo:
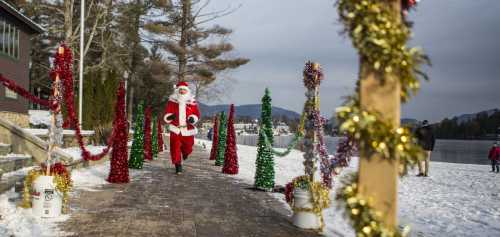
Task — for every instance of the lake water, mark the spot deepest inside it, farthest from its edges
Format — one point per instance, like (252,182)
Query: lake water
(454,151)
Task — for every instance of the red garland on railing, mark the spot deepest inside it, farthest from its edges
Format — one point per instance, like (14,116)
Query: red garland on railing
(62,67)
(148,149)
(22,92)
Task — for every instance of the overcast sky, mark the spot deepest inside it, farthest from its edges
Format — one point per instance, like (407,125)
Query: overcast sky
(462,37)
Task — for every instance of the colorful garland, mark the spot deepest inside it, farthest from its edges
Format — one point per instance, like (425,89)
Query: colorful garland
(320,196)
(62,68)
(62,179)
(380,38)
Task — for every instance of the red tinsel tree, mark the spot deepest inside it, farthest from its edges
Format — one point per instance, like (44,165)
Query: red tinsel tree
(119,157)
(160,135)
(215,140)
(148,149)
(230,156)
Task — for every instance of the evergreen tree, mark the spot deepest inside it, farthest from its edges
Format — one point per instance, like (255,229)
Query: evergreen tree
(137,150)
(154,139)
(264,173)
(197,50)
(221,146)
(230,155)
(215,140)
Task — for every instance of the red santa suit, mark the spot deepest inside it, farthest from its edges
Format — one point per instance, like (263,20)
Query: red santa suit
(181,113)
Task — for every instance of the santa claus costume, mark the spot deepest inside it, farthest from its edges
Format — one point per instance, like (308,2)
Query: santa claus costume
(181,114)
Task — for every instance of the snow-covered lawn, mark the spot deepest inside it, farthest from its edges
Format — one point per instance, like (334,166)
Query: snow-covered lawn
(456,200)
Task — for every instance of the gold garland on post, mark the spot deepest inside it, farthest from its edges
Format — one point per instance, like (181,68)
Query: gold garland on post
(320,197)
(63,185)
(380,39)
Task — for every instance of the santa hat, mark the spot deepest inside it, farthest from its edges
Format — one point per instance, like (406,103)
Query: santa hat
(182,85)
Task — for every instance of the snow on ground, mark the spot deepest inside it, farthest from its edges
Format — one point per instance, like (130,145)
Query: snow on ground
(455,200)
(45,132)
(38,117)
(76,152)
(19,222)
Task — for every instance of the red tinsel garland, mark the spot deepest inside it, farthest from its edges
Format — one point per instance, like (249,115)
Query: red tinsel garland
(230,155)
(63,64)
(57,168)
(118,172)
(22,92)
(160,136)
(215,140)
(148,149)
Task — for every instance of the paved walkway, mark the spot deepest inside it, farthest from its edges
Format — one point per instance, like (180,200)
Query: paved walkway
(200,202)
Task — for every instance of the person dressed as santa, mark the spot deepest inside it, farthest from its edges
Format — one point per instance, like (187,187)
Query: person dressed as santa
(181,114)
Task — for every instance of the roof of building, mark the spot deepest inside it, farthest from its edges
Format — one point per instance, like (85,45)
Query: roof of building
(14,12)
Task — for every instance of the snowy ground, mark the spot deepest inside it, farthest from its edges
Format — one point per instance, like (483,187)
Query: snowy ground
(19,222)
(456,200)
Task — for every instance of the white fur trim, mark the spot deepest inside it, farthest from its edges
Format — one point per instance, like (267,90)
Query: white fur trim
(182,114)
(195,118)
(165,118)
(183,130)
(183,87)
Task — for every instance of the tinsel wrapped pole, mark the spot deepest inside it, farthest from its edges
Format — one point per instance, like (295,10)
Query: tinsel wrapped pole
(378,177)
(264,163)
(312,77)
(221,144)
(215,140)
(154,138)
(118,172)
(231,155)
(137,150)
(148,151)
(160,135)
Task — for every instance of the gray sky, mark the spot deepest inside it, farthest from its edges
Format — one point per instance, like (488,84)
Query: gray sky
(460,36)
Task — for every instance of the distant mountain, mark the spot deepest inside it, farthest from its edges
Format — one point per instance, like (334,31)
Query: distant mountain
(252,111)
(468,117)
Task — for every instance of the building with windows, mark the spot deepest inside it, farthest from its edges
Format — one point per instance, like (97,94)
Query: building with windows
(16,31)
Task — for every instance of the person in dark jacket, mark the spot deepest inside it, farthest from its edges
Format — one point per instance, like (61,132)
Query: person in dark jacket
(426,140)
(494,156)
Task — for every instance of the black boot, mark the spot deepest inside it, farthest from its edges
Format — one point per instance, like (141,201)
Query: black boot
(185,157)
(178,169)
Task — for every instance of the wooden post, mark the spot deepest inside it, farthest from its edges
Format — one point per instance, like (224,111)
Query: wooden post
(378,177)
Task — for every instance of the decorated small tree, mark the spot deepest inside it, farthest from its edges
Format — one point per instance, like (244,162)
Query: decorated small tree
(148,151)
(215,140)
(264,173)
(154,138)
(221,144)
(230,156)
(119,157)
(160,135)
(137,150)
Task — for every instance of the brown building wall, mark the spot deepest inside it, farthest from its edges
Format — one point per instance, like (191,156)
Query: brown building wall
(16,69)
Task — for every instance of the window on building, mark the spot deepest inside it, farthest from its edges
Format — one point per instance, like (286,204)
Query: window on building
(10,94)
(9,39)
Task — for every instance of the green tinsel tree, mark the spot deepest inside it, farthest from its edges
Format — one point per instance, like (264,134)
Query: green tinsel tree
(221,149)
(264,173)
(137,150)
(154,138)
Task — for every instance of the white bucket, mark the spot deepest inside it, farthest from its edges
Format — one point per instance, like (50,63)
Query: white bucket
(47,201)
(302,219)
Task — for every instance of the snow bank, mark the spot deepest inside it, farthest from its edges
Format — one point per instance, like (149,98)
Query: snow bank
(44,131)
(39,117)
(19,222)
(456,200)
(76,152)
